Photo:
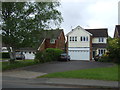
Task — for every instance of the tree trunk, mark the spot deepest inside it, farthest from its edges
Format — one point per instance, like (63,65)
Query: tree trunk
(12,54)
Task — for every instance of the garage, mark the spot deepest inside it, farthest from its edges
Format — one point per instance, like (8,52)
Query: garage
(29,55)
(79,54)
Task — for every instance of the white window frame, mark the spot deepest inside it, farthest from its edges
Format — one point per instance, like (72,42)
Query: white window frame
(101,39)
(73,38)
(101,51)
(52,41)
(84,38)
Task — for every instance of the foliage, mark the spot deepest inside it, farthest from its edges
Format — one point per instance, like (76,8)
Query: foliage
(105,73)
(114,49)
(17,64)
(50,54)
(21,19)
(5,55)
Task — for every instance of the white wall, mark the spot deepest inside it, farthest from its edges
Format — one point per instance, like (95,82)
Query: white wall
(78,32)
(96,40)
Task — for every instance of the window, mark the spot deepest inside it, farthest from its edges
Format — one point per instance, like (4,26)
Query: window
(73,38)
(101,39)
(83,38)
(52,41)
(86,38)
(70,38)
(101,52)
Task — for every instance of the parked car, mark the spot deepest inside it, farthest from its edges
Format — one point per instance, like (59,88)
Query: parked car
(64,57)
(19,56)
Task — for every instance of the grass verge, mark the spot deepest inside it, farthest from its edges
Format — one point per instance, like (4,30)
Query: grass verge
(17,64)
(106,73)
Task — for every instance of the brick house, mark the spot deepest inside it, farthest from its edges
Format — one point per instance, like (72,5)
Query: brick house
(117,31)
(52,39)
(85,44)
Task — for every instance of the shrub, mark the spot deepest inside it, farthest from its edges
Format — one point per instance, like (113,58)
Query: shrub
(5,55)
(39,57)
(50,54)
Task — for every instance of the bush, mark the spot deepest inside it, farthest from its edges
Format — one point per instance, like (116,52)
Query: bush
(5,55)
(50,54)
(105,58)
(39,57)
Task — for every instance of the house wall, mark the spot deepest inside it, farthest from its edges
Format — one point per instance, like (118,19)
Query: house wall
(96,40)
(91,51)
(49,45)
(78,32)
(60,42)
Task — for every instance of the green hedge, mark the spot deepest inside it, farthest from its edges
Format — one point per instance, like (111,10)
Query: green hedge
(5,55)
(50,54)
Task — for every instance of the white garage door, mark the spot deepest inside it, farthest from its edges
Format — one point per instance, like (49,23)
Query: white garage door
(79,54)
(29,55)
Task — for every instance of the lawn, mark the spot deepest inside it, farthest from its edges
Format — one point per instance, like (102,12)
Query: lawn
(16,64)
(106,73)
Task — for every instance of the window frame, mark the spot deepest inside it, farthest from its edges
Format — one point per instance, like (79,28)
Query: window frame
(52,41)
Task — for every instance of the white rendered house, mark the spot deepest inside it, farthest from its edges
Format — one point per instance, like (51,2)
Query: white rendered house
(84,44)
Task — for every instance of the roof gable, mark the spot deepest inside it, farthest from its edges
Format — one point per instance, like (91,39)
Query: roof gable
(103,32)
(79,28)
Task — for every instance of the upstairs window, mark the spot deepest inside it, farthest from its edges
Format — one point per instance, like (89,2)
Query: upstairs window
(70,38)
(101,39)
(73,38)
(84,38)
(52,41)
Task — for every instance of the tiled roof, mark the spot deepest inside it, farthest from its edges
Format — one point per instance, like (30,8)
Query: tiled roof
(98,32)
(43,34)
(99,45)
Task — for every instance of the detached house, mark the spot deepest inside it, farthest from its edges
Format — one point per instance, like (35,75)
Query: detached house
(84,44)
(117,31)
(47,39)
(52,39)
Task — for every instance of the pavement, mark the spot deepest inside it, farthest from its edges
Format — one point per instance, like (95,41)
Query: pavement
(77,82)
(27,75)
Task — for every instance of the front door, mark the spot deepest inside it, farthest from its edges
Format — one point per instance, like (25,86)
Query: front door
(94,54)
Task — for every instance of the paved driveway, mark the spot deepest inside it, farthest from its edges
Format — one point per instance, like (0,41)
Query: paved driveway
(50,67)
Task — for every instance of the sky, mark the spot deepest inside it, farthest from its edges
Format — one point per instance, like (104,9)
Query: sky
(89,14)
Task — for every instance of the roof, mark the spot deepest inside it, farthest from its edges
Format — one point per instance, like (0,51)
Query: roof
(99,45)
(118,29)
(78,27)
(43,34)
(48,34)
(103,32)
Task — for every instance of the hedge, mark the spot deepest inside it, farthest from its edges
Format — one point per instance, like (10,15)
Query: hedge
(50,54)
(5,55)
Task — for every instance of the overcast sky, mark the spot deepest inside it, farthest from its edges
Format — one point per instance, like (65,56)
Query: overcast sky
(89,14)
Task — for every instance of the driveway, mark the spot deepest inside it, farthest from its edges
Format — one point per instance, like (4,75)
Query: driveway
(50,67)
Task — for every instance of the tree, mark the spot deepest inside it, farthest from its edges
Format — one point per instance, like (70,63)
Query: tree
(21,19)
(114,49)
